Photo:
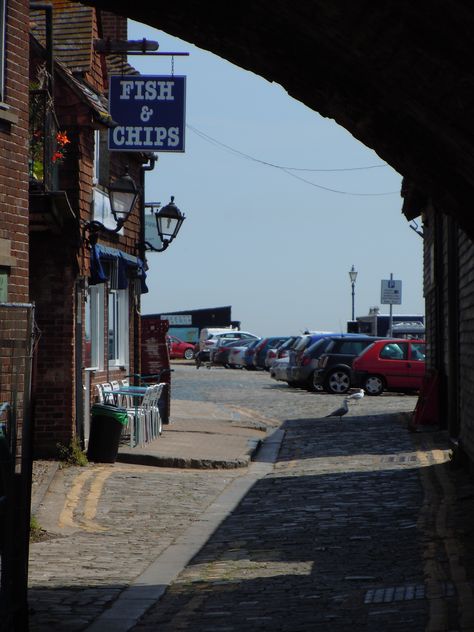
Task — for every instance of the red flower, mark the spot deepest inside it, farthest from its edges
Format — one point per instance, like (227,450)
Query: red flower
(62,139)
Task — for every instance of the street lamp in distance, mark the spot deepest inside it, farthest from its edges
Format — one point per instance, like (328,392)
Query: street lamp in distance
(353,277)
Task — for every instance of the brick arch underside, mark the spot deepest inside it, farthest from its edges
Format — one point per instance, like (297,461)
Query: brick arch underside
(397,75)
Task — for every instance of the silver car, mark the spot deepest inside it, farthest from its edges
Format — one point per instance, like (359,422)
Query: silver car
(301,373)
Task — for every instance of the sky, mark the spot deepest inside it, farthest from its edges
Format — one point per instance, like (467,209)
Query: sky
(275,218)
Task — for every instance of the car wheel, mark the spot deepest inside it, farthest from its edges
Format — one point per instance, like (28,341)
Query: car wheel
(189,354)
(374,385)
(338,382)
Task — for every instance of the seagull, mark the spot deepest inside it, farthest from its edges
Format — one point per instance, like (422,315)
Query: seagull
(357,395)
(339,412)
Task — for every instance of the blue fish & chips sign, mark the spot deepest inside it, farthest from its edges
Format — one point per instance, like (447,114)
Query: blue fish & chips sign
(148,112)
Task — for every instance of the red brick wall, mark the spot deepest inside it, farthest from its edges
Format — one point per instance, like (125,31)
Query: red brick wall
(13,154)
(52,279)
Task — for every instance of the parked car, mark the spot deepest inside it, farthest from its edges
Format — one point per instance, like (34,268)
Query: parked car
(287,372)
(334,365)
(263,346)
(302,372)
(215,337)
(307,340)
(392,365)
(221,354)
(180,349)
(272,353)
(279,369)
(248,355)
(236,354)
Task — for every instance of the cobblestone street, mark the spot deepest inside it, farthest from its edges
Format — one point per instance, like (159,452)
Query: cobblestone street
(358,526)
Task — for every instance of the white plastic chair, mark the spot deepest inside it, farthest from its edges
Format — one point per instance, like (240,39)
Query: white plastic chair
(147,415)
(99,390)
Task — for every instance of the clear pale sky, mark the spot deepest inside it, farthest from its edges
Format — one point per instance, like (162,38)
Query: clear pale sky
(272,241)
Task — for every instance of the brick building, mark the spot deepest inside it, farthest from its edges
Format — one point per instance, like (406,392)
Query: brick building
(86,281)
(13,151)
(449,300)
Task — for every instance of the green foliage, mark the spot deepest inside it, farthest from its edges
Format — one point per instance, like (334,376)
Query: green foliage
(73,454)
(37,533)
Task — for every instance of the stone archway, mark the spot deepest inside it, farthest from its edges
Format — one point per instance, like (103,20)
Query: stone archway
(397,76)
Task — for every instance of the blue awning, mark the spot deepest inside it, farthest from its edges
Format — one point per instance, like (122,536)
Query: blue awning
(127,267)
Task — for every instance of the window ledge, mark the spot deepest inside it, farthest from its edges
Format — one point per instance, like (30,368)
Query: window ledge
(7,116)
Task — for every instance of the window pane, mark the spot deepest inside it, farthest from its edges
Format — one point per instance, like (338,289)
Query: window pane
(93,327)
(113,326)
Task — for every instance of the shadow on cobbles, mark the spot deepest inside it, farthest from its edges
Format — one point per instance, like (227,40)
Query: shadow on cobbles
(306,552)
(335,539)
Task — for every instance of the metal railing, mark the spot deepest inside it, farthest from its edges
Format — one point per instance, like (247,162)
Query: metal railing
(43,142)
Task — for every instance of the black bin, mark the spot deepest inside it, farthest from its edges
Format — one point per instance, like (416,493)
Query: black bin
(106,427)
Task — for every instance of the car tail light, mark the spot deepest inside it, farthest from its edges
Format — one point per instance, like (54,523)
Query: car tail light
(305,361)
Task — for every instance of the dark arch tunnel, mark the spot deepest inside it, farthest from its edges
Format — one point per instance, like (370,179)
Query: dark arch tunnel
(397,75)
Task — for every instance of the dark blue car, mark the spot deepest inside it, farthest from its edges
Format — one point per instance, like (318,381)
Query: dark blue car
(263,346)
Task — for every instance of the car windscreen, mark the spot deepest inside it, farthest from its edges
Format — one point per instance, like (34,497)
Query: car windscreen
(318,347)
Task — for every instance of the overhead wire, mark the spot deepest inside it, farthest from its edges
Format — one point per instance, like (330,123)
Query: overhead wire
(288,170)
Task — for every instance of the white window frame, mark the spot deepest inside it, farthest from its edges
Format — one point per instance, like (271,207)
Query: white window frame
(3,21)
(119,303)
(96,307)
(101,210)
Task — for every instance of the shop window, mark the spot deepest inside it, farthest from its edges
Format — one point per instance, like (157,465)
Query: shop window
(94,328)
(2,48)
(118,328)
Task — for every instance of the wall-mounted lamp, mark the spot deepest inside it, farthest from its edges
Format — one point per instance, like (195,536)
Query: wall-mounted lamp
(123,194)
(169,220)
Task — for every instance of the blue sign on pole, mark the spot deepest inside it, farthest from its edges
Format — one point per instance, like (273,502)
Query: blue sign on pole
(149,112)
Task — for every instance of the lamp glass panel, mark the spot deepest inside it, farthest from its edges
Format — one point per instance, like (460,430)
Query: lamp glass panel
(122,202)
(167,225)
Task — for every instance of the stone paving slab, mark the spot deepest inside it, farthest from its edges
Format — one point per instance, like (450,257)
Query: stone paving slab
(202,435)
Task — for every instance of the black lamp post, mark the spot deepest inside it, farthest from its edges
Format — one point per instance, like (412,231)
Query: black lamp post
(168,223)
(353,277)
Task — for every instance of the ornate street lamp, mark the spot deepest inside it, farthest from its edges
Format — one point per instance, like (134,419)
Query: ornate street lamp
(353,277)
(168,223)
(123,194)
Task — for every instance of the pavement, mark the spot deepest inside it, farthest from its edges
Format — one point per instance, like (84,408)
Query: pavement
(249,524)
(203,435)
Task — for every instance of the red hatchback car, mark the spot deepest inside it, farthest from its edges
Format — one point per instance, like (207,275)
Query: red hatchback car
(392,364)
(180,349)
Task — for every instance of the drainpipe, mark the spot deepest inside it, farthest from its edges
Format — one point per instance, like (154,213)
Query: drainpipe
(141,254)
(48,10)
(149,167)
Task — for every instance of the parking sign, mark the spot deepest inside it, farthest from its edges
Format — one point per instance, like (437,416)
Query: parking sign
(391,293)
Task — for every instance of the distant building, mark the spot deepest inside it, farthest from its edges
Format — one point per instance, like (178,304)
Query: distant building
(187,324)
(376,324)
